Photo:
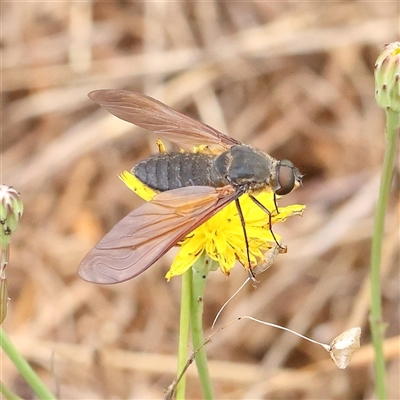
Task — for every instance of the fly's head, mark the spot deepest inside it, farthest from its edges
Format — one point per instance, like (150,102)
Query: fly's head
(287,177)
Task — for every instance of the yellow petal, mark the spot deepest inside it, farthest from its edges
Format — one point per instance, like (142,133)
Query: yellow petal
(190,250)
(137,186)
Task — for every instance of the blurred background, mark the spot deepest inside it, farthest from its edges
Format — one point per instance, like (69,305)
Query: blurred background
(292,78)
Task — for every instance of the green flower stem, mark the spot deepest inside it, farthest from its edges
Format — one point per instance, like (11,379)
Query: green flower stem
(8,394)
(5,254)
(24,368)
(184,327)
(3,299)
(199,273)
(376,320)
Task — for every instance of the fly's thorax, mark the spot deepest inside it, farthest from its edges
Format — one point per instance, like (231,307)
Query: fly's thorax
(243,164)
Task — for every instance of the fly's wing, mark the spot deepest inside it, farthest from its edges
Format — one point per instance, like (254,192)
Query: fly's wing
(148,232)
(151,114)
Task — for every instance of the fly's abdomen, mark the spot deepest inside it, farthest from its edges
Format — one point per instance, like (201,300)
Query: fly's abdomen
(167,171)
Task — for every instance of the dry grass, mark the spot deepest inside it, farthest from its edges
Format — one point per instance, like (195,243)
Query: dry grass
(295,79)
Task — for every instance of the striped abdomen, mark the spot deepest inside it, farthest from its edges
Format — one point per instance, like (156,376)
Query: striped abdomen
(167,171)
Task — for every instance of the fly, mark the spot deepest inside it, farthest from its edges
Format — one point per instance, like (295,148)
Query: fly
(191,186)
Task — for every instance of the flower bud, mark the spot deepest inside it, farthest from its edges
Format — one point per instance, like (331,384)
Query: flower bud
(387,77)
(11,209)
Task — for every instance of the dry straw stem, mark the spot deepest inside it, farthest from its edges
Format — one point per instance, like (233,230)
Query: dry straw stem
(294,79)
(158,364)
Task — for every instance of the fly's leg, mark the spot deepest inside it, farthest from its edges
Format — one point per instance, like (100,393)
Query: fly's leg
(265,209)
(246,240)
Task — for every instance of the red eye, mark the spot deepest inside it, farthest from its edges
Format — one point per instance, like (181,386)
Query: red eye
(286,177)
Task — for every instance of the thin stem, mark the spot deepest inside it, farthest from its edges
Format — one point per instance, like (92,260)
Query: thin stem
(24,368)
(5,254)
(227,302)
(376,320)
(325,346)
(184,327)
(8,394)
(199,274)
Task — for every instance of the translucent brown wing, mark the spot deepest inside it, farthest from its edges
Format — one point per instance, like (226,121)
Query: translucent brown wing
(148,232)
(159,118)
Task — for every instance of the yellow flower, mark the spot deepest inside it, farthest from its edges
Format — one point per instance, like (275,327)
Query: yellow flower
(221,237)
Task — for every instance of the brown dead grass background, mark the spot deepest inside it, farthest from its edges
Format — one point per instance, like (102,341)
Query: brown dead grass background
(294,79)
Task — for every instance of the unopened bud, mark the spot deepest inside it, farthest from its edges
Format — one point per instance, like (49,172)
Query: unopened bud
(11,209)
(387,77)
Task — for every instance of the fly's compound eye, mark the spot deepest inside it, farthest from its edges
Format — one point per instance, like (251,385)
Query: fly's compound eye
(286,177)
